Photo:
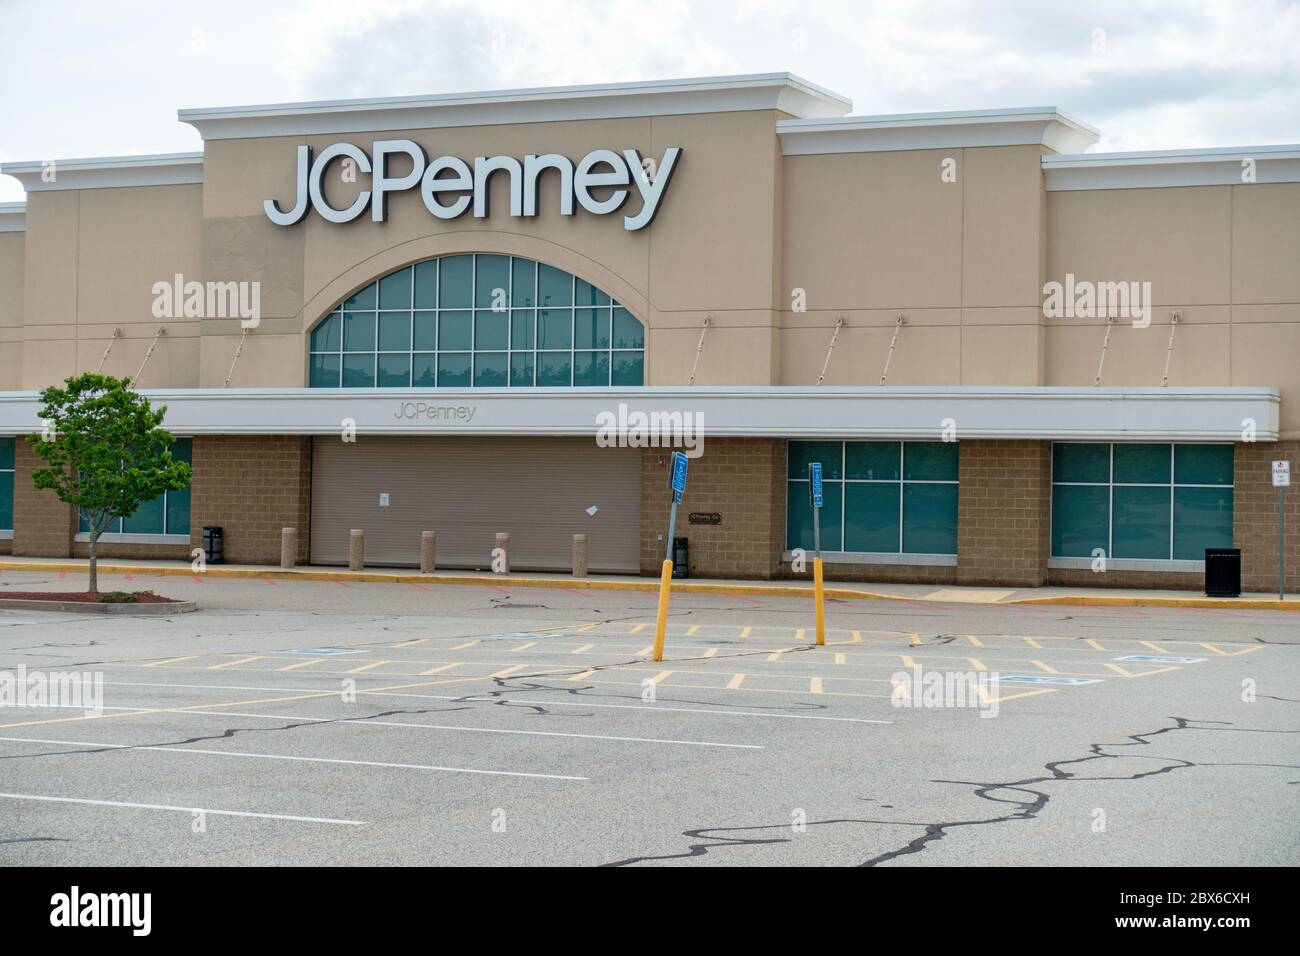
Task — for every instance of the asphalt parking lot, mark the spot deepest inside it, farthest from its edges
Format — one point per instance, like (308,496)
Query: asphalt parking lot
(345,723)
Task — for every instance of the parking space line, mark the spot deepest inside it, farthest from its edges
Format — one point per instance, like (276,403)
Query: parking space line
(839,658)
(296,758)
(419,640)
(692,630)
(975,641)
(711,652)
(171,660)
(1046,668)
(735,682)
(507,671)
(815,685)
(306,663)
(366,667)
(976,663)
(582,649)
(1094,645)
(577,678)
(461,647)
(236,663)
(1152,645)
(745,632)
(45,798)
(638,628)
(524,647)
(1033,643)
(438,670)
(1117,669)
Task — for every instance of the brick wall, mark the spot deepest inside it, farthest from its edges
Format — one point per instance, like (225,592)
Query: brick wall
(43,525)
(252,487)
(1003,508)
(1255,515)
(743,479)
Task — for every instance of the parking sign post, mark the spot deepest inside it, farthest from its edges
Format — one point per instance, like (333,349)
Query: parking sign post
(1281,481)
(677,485)
(816,498)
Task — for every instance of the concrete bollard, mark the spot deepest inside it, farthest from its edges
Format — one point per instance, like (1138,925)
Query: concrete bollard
(288,547)
(501,553)
(579,555)
(357,550)
(428,551)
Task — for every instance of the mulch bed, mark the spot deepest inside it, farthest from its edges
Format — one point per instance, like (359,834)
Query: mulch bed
(84,597)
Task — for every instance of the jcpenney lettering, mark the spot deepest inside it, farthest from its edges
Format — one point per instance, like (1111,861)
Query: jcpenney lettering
(599,169)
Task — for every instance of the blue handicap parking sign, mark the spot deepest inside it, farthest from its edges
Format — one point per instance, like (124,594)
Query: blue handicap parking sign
(324,651)
(1052,681)
(1160,659)
(677,480)
(815,483)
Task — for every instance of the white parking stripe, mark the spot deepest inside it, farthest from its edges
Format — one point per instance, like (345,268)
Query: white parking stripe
(162,806)
(523,702)
(363,722)
(328,760)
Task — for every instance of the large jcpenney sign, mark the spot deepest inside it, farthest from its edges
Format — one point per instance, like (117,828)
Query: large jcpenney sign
(600,169)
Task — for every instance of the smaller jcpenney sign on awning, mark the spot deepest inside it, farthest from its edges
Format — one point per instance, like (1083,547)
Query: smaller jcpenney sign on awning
(1101,414)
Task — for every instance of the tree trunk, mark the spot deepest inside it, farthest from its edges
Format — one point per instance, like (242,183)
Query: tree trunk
(94,571)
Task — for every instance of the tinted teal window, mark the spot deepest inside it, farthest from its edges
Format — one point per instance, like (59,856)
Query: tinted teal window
(554,368)
(325,371)
(425,332)
(591,328)
(1140,522)
(455,332)
(1203,465)
(358,371)
(490,370)
(424,370)
(1202,519)
(178,511)
(870,516)
(325,337)
(395,331)
(492,282)
(628,332)
(872,461)
(491,331)
(799,519)
(629,368)
(555,329)
(477,303)
(930,461)
(590,368)
(1080,520)
(358,331)
(395,370)
(6,500)
(803,453)
(1076,462)
(426,284)
(1142,464)
(6,453)
(553,286)
(453,370)
(929,518)
(523,292)
(148,518)
(395,290)
(521,369)
(455,275)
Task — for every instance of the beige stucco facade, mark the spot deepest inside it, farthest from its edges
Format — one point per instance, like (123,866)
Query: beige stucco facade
(794,247)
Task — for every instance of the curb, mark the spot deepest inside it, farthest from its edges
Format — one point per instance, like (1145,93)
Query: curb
(89,607)
(684,587)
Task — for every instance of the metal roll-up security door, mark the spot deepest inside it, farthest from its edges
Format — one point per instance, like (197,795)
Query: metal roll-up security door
(467,490)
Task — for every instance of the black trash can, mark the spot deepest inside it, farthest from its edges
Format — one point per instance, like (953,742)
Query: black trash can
(213,544)
(681,558)
(1223,572)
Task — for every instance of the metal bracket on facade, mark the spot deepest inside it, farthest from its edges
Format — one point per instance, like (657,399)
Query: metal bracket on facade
(840,320)
(699,348)
(117,333)
(162,330)
(239,348)
(1169,352)
(902,317)
(1105,343)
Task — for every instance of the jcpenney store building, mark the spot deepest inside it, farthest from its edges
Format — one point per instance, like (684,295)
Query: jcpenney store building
(1011,355)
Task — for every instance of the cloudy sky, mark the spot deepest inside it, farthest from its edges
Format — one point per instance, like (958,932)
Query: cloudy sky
(102,79)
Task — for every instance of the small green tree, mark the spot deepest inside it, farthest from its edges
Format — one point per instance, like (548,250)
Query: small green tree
(106,450)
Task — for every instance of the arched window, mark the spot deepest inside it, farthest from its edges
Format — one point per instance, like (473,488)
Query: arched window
(477,321)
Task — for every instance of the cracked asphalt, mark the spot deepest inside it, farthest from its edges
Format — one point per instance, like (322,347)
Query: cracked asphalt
(326,724)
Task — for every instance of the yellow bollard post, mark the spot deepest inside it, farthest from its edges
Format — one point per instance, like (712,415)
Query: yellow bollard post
(661,622)
(819,595)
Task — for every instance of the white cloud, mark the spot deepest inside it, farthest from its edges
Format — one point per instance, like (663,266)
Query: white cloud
(107,82)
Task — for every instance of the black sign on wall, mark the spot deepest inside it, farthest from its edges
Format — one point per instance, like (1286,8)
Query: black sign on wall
(704,517)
